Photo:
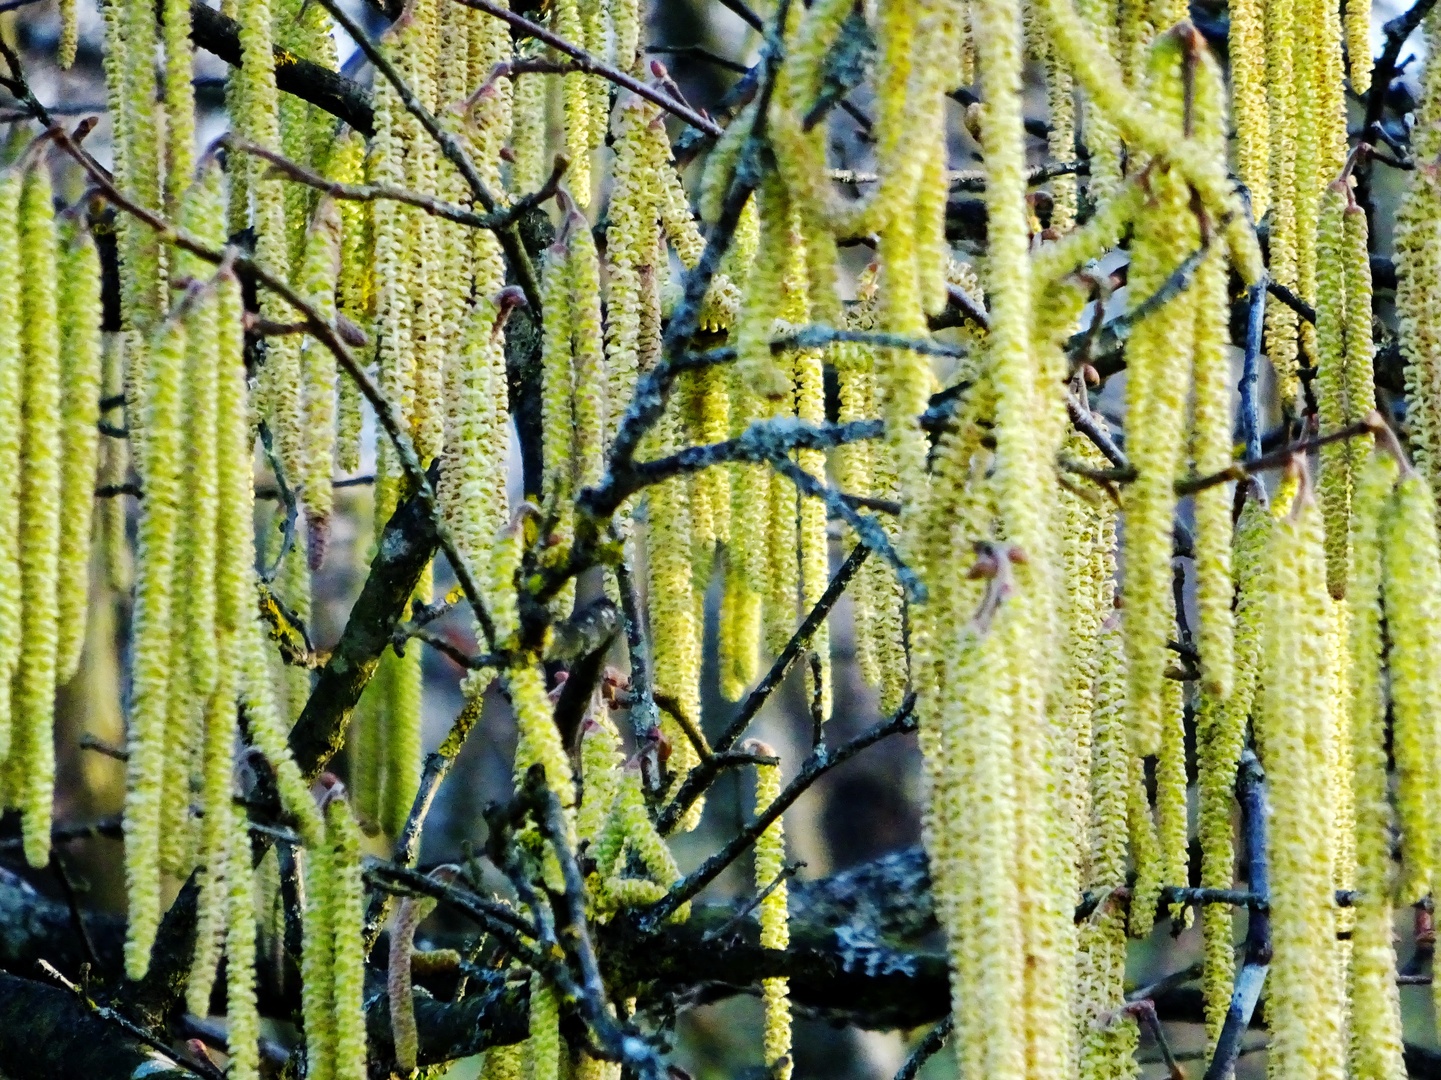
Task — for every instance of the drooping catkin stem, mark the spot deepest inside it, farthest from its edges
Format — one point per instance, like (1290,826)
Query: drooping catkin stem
(39,514)
(151,666)
(1220,734)
(317,962)
(12,355)
(1335,477)
(1375,1005)
(179,100)
(775,930)
(1282,103)
(1166,231)
(1412,584)
(320,271)
(348,918)
(242,1016)
(1297,702)
(81,351)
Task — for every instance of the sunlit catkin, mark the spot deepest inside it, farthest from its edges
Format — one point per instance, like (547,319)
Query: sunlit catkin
(542,1049)
(179,99)
(11,368)
(1294,700)
(1358,45)
(348,918)
(1281,101)
(317,964)
(151,673)
(40,480)
(243,1019)
(566,21)
(1249,107)
(1334,479)
(1166,232)
(1412,583)
(81,352)
(320,270)
(1375,1007)
(1220,734)
(775,930)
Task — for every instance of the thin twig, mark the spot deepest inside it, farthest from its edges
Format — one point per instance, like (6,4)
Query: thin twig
(130,1027)
(701,776)
(787,872)
(592,65)
(88,741)
(1250,371)
(927,1048)
(819,762)
(1291,300)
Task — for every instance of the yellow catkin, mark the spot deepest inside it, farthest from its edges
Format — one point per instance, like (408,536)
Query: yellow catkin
(11,368)
(1211,410)
(317,963)
(566,21)
(1413,620)
(528,133)
(600,763)
(1418,276)
(1247,43)
(1106,1045)
(770,858)
(141,131)
(1281,99)
(347,165)
(1334,479)
(814,544)
(1296,712)
(1171,828)
(537,740)
(628,826)
(1358,45)
(320,270)
(40,478)
(1359,386)
(1220,734)
(403,722)
(216,803)
(243,1034)
(1145,852)
(542,1049)
(980,897)
(151,670)
(348,920)
(179,100)
(1166,232)
(69,33)
(81,359)
(1375,1005)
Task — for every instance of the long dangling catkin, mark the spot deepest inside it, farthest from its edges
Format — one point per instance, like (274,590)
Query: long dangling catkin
(1156,401)
(1295,703)
(347,166)
(411,913)
(1335,475)
(40,479)
(1171,789)
(1247,42)
(1106,1049)
(11,375)
(320,269)
(179,100)
(1413,621)
(770,859)
(114,463)
(151,674)
(81,359)
(1282,104)
(1145,852)
(243,1019)
(348,919)
(542,1049)
(566,21)
(317,961)
(1359,386)
(215,829)
(141,133)
(1220,734)
(1375,1005)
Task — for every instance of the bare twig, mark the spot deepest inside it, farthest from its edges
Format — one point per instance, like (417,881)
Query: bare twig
(592,65)
(819,762)
(927,1048)
(701,776)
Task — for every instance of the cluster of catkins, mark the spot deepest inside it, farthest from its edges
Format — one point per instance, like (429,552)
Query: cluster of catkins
(1041,686)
